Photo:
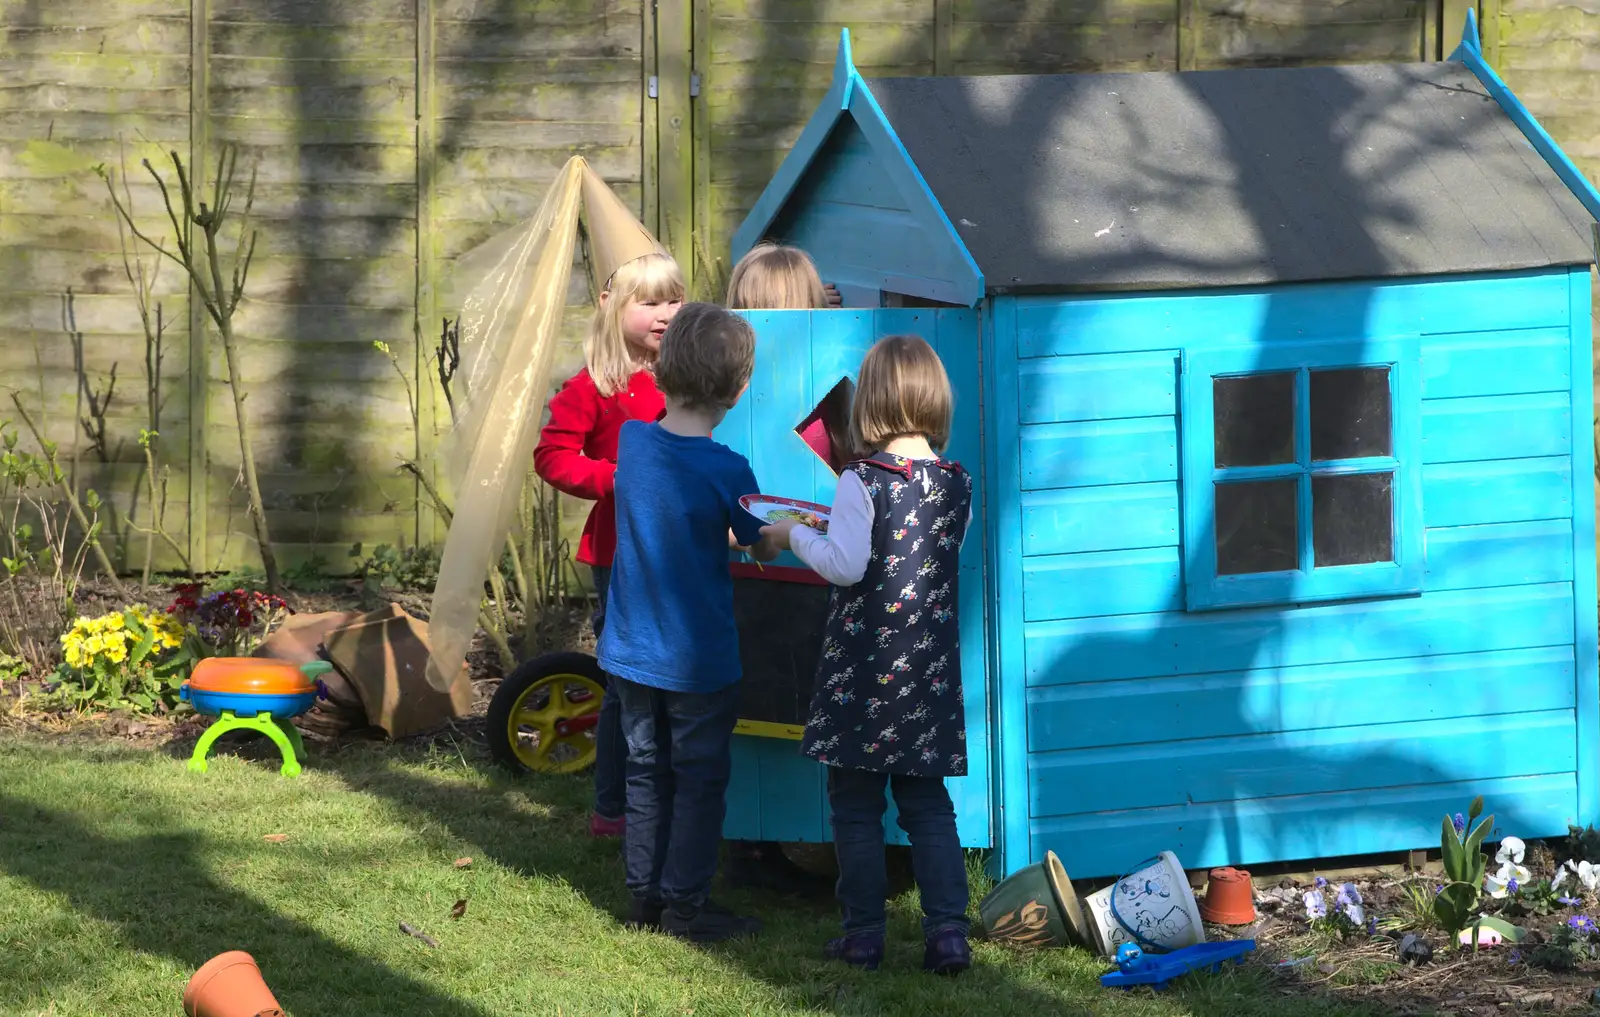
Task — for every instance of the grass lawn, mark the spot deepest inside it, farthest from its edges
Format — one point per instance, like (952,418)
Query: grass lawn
(120,873)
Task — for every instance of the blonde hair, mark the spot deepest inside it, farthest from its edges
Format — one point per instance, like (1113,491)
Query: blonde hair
(902,390)
(775,277)
(606,353)
(707,357)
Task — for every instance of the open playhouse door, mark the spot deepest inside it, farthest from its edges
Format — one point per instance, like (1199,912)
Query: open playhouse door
(792,426)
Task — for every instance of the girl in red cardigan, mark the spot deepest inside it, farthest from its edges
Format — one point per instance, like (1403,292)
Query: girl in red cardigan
(577,455)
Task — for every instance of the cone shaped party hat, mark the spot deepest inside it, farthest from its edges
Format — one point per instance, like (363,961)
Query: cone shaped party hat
(615,236)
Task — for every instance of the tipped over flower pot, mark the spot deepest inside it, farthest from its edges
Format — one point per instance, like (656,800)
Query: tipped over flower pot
(1230,898)
(1035,906)
(230,985)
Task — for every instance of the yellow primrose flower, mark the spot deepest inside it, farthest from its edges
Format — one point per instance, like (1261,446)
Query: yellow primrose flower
(114,620)
(117,654)
(94,644)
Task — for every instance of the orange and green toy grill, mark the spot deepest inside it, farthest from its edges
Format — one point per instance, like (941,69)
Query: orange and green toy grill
(254,694)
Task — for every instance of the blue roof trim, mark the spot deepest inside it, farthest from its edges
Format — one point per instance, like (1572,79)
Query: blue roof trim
(875,125)
(849,94)
(800,157)
(1470,52)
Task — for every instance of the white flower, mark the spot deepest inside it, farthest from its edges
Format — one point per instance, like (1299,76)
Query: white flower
(1511,850)
(1560,876)
(1588,875)
(1499,884)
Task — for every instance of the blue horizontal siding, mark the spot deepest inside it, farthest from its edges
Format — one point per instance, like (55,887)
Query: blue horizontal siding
(1149,580)
(1325,759)
(1345,693)
(1103,518)
(1250,831)
(1497,427)
(1514,490)
(1497,363)
(1118,323)
(1150,645)
(1057,389)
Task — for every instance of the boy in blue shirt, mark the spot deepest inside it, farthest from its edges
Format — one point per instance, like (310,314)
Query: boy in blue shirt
(670,645)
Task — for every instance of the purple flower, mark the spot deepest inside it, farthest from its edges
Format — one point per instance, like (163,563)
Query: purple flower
(1568,901)
(1582,924)
(1460,823)
(1372,926)
(1515,958)
(1320,882)
(1512,886)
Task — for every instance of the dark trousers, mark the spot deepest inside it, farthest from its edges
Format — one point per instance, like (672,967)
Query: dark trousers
(928,817)
(679,759)
(610,750)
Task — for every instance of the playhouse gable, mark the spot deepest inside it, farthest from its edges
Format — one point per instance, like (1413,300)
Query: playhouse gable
(850,194)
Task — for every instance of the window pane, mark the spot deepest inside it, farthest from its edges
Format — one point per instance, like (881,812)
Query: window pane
(1254,417)
(1258,528)
(1352,518)
(1350,413)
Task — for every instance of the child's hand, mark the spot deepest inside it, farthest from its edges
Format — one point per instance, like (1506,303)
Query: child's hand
(778,533)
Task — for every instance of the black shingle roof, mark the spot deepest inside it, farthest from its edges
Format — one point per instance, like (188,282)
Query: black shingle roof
(1217,178)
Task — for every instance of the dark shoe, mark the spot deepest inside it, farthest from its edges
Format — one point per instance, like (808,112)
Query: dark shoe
(947,953)
(766,867)
(709,923)
(644,913)
(863,950)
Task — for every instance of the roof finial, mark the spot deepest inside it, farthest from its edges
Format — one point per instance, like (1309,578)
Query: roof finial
(844,69)
(1469,33)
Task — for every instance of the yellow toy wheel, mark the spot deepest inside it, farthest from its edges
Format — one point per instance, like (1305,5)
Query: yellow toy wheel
(543,716)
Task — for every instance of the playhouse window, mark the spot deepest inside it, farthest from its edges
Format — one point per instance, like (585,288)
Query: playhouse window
(1301,478)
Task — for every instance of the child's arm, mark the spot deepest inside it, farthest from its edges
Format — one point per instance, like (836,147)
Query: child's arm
(558,459)
(841,555)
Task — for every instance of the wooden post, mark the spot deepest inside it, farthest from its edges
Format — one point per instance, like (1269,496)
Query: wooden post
(1452,16)
(649,118)
(1489,32)
(199,359)
(1188,17)
(675,130)
(427,309)
(1429,34)
(943,24)
(705,242)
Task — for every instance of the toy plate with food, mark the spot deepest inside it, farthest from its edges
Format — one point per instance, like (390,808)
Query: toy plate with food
(771,510)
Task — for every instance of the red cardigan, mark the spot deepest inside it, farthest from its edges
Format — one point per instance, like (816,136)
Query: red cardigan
(577,451)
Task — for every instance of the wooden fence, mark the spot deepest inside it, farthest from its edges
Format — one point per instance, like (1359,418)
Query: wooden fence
(391,135)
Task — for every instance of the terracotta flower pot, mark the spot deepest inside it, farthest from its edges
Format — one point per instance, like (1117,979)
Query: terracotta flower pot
(1230,899)
(229,985)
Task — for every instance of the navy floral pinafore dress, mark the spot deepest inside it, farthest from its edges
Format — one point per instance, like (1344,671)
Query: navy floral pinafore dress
(888,692)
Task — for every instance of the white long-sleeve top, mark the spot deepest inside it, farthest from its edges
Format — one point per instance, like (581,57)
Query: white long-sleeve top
(841,555)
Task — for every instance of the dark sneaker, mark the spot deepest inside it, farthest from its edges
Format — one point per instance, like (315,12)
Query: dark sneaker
(947,953)
(766,867)
(862,950)
(709,923)
(644,913)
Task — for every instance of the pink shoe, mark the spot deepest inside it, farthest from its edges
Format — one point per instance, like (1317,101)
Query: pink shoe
(600,826)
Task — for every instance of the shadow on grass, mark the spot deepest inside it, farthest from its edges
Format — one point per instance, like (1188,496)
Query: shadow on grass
(159,895)
(156,888)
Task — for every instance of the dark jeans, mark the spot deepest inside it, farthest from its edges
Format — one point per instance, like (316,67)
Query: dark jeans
(610,750)
(928,818)
(679,759)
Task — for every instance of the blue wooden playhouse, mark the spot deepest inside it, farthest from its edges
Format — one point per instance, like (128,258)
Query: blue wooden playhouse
(1278,385)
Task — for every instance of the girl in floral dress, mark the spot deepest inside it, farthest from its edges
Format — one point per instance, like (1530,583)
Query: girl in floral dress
(887,710)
